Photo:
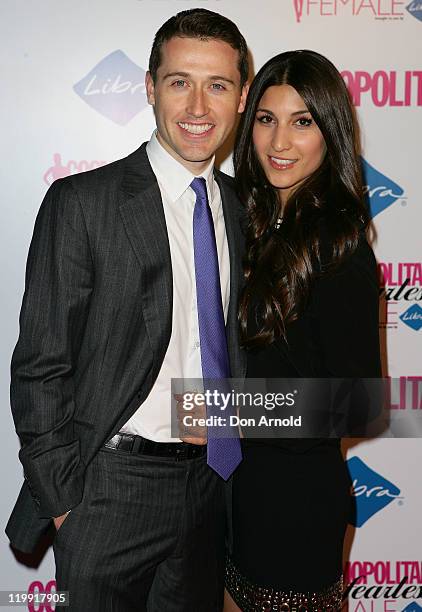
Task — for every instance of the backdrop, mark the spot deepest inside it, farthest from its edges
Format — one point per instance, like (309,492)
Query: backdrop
(73,98)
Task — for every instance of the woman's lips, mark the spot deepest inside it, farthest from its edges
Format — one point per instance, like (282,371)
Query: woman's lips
(281,163)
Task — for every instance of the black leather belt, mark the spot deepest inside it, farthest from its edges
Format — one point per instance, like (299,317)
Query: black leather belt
(137,444)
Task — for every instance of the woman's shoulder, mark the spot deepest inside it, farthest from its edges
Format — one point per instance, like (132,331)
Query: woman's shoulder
(358,251)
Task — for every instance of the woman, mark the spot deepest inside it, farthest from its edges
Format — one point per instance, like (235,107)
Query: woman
(309,309)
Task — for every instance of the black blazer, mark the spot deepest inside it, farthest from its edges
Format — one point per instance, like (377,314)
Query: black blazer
(94,327)
(336,336)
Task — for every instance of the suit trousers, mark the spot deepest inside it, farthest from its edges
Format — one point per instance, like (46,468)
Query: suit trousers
(148,535)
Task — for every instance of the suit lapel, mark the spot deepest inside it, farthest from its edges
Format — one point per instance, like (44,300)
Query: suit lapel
(142,213)
(143,217)
(231,210)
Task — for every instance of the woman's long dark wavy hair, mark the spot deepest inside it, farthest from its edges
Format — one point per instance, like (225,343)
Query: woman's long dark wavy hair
(281,264)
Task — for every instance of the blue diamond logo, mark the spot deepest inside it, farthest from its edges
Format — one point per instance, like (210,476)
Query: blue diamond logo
(372,492)
(413,317)
(115,87)
(412,607)
(415,9)
(380,191)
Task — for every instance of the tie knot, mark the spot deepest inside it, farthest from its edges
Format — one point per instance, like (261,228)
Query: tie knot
(199,186)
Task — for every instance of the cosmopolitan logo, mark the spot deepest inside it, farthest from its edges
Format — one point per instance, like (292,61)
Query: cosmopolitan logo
(115,87)
(392,88)
(415,9)
(401,280)
(404,393)
(400,287)
(59,169)
(380,191)
(372,491)
(384,572)
(387,582)
(377,9)
(42,598)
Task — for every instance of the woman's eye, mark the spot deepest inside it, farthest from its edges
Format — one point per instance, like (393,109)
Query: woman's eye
(264,118)
(304,121)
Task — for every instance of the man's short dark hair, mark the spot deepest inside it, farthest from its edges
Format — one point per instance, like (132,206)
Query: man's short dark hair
(203,24)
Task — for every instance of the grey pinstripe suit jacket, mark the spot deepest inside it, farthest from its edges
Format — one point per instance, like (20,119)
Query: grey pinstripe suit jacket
(94,327)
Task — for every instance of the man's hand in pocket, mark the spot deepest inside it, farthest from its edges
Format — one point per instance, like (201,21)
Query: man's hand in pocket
(59,520)
(192,431)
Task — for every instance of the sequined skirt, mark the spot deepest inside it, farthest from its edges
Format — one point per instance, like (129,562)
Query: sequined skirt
(252,598)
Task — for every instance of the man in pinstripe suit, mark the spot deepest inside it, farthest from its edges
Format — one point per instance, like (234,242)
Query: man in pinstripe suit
(109,316)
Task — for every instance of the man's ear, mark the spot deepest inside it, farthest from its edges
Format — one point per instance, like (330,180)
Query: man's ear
(243,97)
(149,86)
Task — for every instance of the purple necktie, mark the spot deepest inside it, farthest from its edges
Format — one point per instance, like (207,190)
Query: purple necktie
(224,452)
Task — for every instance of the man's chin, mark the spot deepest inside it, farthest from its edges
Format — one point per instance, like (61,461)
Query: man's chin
(196,156)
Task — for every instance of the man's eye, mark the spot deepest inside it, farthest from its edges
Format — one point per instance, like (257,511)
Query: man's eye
(179,83)
(218,87)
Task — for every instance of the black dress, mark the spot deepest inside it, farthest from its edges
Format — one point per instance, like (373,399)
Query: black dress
(291,497)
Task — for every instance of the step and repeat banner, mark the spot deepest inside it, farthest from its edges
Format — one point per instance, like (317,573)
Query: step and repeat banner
(73,98)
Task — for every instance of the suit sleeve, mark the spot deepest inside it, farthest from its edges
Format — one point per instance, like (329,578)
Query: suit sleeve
(347,316)
(58,286)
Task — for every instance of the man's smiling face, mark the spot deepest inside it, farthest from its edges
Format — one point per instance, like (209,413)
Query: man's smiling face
(196,97)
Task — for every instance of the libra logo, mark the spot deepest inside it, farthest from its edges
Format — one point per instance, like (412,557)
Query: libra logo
(415,9)
(380,191)
(413,317)
(412,607)
(372,491)
(115,88)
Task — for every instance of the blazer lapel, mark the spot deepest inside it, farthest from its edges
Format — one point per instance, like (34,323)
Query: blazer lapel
(235,239)
(143,217)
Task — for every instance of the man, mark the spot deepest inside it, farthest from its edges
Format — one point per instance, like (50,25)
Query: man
(113,309)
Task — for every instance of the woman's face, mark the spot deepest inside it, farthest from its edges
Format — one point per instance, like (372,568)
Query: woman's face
(288,142)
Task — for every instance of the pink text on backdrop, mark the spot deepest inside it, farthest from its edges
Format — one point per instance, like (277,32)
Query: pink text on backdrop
(384,572)
(392,88)
(394,274)
(60,169)
(404,393)
(355,8)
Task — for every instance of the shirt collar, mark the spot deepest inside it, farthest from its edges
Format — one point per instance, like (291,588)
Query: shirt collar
(171,174)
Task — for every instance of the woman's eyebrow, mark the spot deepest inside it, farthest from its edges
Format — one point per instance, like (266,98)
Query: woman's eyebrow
(266,110)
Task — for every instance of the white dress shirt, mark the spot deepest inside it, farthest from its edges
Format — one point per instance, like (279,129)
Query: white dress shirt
(152,419)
